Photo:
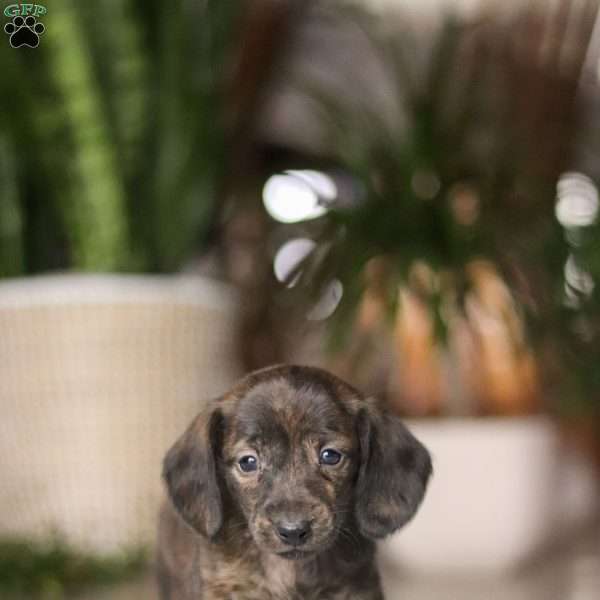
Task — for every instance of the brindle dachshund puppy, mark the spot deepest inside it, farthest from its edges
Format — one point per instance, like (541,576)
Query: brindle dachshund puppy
(279,489)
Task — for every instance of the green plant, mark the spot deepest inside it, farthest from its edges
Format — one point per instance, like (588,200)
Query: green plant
(112,135)
(33,570)
(466,169)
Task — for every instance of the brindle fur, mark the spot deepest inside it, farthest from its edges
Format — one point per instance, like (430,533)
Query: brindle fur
(216,536)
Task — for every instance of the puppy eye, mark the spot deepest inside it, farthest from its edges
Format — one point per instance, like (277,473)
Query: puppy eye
(248,463)
(330,457)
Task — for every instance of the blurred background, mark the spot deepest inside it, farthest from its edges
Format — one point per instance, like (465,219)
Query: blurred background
(403,192)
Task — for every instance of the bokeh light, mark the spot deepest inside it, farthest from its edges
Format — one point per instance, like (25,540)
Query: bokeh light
(577,200)
(425,184)
(578,282)
(289,257)
(330,298)
(464,202)
(298,196)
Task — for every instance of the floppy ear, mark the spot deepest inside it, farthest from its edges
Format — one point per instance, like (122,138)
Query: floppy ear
(394,471)
(190,473)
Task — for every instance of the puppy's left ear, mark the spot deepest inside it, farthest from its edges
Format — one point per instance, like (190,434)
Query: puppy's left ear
(190,473)
(394,471)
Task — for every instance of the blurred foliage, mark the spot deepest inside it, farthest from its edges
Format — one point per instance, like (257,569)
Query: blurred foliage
(49,571)
(466,168)
(112,135)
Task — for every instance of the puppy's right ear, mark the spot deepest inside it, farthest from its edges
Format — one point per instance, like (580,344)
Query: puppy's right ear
(190,474)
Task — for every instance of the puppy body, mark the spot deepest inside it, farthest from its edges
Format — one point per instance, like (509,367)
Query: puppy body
(279,489)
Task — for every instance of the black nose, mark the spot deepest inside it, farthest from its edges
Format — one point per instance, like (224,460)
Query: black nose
(294,534)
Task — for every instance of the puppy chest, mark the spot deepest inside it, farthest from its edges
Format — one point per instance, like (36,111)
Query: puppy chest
(250,580)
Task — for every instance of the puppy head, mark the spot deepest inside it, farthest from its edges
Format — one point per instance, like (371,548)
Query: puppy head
(303,456)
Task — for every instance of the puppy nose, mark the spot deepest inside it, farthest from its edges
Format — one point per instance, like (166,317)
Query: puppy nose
(293,533)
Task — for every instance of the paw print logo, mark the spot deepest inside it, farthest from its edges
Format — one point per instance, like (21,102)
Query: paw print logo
(24,32)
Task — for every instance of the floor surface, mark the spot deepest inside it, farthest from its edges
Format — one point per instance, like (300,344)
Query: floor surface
(573,574)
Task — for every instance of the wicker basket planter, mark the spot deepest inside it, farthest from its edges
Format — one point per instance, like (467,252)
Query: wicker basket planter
(98,374)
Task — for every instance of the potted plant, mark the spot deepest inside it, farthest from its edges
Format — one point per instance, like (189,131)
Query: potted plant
(112,154)
(450,241)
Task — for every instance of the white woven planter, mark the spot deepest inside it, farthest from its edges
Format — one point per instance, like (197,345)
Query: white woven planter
(98,375)
(502,490)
